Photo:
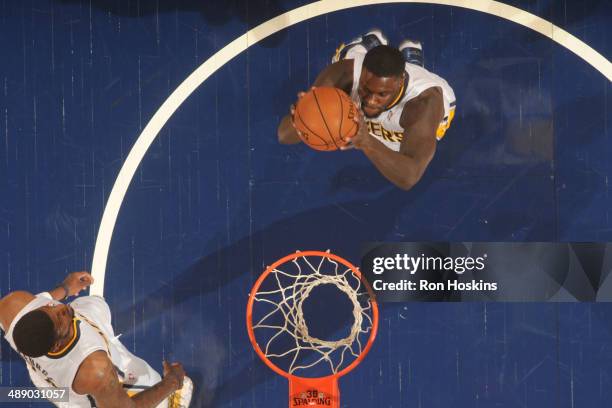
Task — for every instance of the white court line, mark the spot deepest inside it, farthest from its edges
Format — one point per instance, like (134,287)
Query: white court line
(240,44)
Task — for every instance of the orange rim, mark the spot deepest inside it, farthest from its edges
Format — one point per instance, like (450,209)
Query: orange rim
(302,254)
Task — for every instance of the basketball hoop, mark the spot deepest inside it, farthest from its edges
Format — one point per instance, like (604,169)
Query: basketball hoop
(279,332)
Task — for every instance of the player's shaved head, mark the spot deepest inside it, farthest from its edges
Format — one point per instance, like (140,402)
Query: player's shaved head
(34,334)
(384,61)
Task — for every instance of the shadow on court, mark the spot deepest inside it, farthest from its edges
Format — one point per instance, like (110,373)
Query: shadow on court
(362,220)
(252,13)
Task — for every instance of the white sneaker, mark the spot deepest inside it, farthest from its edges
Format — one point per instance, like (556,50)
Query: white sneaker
(369,40)
(182,398)
(372,38)
(413,52)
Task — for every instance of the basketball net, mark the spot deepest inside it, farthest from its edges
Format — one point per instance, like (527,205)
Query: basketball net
(283,302)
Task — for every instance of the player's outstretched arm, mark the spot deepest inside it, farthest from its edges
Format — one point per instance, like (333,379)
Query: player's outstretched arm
(420,120)
(97,377)
(13,302)
(74,283)
(339,75)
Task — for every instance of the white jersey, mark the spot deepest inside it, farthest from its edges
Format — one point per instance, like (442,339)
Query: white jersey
(386,126)
(93,332)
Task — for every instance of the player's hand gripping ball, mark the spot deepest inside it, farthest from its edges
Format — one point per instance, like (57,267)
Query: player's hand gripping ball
(324,118)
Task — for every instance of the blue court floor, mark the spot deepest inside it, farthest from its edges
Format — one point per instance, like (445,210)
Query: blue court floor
(216,198)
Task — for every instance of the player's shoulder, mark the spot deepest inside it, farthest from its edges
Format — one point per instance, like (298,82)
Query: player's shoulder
(338,74)
(17,296)
(428,104)
(347,67)
(92,372)
(344,67)
(11,304)
(97,377)
(430,98)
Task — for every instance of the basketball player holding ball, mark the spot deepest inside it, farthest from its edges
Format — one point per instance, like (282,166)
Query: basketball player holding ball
(403,109)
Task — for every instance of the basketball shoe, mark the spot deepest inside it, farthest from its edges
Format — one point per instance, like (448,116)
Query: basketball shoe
(369,40)
(413,52)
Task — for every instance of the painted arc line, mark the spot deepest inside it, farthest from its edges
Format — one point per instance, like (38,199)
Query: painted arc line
(240,44)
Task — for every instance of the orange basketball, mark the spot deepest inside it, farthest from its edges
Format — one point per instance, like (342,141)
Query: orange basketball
(324,117)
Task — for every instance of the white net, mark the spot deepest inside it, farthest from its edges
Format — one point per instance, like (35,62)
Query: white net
(281,322)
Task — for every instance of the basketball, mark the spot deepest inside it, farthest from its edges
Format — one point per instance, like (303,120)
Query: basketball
(324,117)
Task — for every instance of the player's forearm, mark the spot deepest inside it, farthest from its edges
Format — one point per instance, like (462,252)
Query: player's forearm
(396,167)
(286,132)
(153,396)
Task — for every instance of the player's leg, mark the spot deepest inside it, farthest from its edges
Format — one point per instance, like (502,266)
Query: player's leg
(413,52)
(369,40)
